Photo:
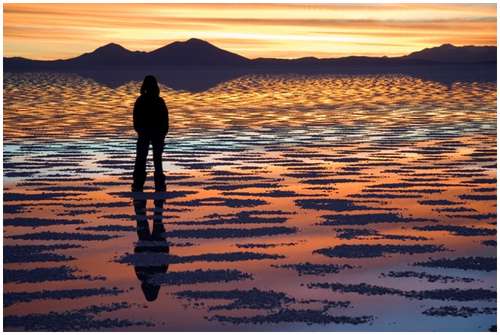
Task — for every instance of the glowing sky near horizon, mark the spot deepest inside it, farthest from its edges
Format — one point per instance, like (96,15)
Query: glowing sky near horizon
(50,31)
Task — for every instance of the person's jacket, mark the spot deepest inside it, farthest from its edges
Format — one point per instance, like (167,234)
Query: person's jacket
(150,115)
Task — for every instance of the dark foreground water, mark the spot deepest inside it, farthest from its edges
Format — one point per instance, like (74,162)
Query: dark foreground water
(326,203)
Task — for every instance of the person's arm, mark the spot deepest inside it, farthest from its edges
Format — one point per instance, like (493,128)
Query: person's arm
(164,113)
(137,117)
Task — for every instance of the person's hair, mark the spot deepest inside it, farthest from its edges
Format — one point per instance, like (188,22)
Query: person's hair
(150,86)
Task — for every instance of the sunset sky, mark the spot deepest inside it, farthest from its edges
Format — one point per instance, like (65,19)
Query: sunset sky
(50,31)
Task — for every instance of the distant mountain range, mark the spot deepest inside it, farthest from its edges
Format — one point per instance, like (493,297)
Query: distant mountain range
(198,53)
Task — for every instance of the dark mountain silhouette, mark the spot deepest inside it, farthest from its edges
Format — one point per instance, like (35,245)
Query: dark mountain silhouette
(348,61)
(193,52)
(448,53)
(111,54)
(196,52)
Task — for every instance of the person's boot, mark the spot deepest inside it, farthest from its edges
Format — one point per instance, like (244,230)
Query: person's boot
(160,182)
(137,187)
(138,184)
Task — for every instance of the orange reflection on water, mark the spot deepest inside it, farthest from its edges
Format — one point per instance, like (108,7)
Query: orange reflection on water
(323,156)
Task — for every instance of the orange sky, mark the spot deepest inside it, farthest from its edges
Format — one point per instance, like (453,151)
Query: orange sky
(49,31)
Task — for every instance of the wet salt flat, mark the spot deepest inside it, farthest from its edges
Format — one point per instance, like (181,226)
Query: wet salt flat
(312,203)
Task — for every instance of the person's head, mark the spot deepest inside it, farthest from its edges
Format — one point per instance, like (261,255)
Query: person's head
(150,291)
(150,86)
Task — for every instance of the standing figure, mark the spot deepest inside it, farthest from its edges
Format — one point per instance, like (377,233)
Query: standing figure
(151,125)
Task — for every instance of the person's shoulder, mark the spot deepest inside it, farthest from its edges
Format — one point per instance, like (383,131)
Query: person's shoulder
(162,101)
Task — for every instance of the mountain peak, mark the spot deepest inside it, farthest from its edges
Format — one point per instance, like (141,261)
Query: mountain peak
(447,45)
(195,51)
(112,45)
(196,40)
(111,48)
(190,43)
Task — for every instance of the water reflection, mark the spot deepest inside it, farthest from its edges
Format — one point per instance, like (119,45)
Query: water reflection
(310,191)
(150,243)
(192,80)
(197,80)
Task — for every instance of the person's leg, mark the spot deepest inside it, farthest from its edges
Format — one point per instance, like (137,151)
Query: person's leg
(158,144)
(140,163)
(142,220)
(158,227)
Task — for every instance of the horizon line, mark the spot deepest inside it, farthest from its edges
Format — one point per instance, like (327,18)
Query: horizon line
(206,41)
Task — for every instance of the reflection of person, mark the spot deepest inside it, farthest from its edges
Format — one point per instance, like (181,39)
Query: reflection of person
(151,125)
(150,244)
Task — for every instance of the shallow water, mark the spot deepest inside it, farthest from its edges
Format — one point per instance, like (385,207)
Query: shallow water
(323,202)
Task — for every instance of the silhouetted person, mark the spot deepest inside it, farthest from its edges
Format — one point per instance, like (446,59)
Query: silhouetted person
(151,125)
(152,244)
